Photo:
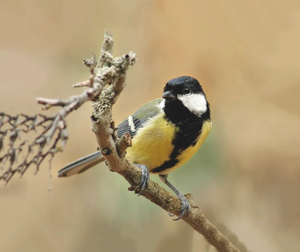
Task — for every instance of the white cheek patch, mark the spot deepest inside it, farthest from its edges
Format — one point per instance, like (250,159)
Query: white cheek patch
(196,103)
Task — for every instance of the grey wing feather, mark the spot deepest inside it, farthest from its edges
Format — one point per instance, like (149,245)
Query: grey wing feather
(125,126)
(135,121)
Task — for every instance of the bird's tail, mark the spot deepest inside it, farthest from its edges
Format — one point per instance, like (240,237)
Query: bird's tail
(81,165)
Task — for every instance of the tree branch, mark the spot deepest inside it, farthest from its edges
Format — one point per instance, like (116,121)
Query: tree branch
(101,126)
(105,85)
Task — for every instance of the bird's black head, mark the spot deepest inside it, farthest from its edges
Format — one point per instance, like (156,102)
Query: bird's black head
(185,100)
(183,85)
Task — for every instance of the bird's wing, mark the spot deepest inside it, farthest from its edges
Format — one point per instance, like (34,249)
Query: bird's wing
(130,125)
(136,121)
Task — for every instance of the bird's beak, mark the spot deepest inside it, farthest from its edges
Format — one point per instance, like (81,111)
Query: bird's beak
(168,96)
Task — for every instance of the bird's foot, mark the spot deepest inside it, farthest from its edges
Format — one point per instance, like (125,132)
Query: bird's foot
(144,178)
(185,207)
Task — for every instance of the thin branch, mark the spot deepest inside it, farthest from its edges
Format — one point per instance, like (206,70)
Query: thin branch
(23,124)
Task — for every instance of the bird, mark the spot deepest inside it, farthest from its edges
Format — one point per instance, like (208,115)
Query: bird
(166,132)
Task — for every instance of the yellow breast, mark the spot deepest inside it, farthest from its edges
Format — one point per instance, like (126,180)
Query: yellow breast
(152,146)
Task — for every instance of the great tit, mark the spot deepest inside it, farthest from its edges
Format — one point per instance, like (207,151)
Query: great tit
(166,132)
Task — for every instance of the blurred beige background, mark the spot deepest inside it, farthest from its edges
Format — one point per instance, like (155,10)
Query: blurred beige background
(246,177)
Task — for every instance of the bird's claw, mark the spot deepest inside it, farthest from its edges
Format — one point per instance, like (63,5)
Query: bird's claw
(144,178)
(185,207)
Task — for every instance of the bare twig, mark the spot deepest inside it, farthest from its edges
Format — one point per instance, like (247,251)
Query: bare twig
(22,124)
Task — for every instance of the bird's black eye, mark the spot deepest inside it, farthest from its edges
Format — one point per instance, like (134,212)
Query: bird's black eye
(186,91)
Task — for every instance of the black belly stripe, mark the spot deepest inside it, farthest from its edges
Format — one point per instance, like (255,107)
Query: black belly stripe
(186,136)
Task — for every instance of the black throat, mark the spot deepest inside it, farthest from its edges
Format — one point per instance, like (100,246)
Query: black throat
(189,125)
(179,115)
